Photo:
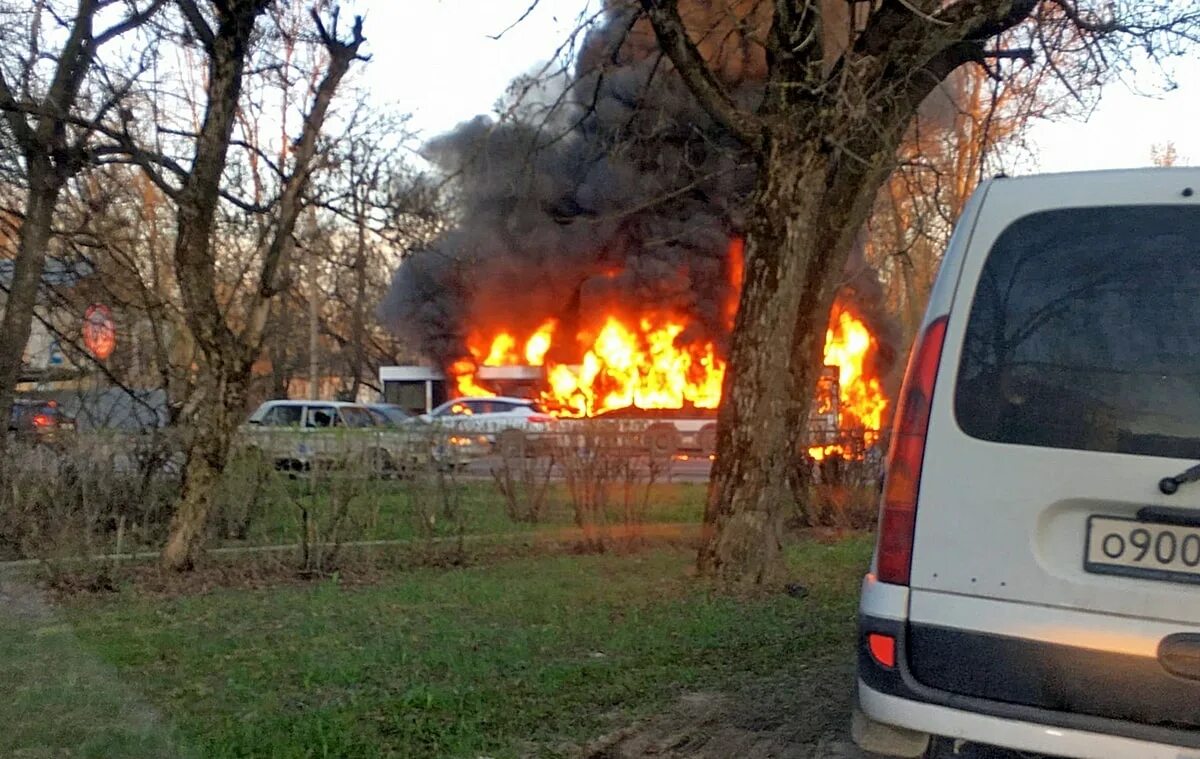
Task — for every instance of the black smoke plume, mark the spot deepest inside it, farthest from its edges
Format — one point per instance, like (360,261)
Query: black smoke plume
(625,197)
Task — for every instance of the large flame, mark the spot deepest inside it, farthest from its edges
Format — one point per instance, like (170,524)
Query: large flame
(641,361)
(625,363)
(861,402)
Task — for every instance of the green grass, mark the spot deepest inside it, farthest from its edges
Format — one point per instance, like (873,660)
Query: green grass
(388,510)
(528,656)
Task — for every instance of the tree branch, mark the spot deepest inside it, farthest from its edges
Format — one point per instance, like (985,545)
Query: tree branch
(21,130)
(132,21)
(674,41)
(341,54)
(197,23)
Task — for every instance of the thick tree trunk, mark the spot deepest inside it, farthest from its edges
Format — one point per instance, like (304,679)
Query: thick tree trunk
(796,245)
(30,261)
(208,452)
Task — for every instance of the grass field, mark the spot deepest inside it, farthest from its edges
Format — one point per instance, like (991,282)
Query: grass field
(533,656)
(390,510)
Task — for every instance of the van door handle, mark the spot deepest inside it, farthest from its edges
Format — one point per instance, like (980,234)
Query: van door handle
(1180,655)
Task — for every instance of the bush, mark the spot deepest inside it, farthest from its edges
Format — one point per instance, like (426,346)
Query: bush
(87,494)
(91,496)
(839,493)
(609,475)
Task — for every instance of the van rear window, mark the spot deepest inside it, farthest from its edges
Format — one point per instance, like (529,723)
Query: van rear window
(1085,333)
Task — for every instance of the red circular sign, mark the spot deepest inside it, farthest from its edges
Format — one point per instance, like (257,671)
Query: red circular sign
(99,331)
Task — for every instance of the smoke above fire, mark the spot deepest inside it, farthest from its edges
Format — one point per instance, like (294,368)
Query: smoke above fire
(624,202)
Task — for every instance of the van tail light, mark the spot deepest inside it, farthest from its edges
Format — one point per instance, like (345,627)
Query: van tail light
(898,512)
(540,419)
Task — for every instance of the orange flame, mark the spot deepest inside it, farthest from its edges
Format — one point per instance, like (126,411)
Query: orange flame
(502,352)
(623,364)
(735,269)
(640,362)
(537,345)
(861,402)
(637,366)
(463,372)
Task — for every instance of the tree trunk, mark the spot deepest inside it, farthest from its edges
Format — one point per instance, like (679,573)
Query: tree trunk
(208,452)
(802,223)
(41,199)
(750,492)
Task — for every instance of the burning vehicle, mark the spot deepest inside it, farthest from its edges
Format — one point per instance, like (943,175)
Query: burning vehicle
(600,252)
(671,392)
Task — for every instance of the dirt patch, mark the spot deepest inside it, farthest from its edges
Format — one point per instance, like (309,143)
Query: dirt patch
(786,718)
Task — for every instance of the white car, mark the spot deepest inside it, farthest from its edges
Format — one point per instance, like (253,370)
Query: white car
(480,423)
(297,434)
(1036,583)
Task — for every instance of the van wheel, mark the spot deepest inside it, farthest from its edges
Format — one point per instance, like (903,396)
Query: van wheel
(708,439)
(661,440)
(512,444)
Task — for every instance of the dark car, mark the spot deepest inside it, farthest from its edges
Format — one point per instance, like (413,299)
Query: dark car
(38,420)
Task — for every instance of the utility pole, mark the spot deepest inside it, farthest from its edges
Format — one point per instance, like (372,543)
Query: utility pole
(314,292)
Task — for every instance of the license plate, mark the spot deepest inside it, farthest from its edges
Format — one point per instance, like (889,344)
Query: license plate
(1142,549)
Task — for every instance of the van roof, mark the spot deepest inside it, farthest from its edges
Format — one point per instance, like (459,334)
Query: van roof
(1141,171)
(295,402)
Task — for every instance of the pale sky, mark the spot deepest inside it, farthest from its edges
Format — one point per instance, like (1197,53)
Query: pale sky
(434,58)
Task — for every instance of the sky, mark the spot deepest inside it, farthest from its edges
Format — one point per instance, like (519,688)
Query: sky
(436,59)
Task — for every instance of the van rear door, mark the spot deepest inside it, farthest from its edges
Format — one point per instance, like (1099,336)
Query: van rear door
(1049,569)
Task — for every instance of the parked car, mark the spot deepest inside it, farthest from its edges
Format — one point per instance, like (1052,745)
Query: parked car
(299,434)
(1036,583)
(477,425)
(39,421)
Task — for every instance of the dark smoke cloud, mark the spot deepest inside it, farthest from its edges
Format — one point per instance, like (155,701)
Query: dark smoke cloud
(627,197)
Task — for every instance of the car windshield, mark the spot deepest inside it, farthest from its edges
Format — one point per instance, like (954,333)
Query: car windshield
(1083,331)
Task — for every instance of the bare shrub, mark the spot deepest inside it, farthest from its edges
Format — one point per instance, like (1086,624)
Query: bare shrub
(609,475)
(522,478)
(433,503)
(248,483)
(839,493)
(78,503)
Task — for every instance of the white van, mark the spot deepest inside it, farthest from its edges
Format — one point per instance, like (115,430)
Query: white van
(1036,582)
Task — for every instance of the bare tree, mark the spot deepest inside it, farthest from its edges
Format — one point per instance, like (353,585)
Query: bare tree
(973,126)
(844,82)
(230,340)
(52,104)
